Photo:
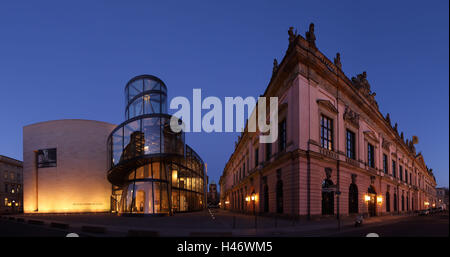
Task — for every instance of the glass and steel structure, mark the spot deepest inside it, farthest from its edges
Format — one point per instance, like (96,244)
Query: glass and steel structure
(151,168)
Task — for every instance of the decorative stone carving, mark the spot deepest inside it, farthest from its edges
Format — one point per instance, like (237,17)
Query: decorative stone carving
(388,118)
(401,135)
(337,61)
(363,86)
(396,127)
(275,66)
(311,37)
(292,35)
(351,116)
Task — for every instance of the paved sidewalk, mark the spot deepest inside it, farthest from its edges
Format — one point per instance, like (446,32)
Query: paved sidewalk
(205,223)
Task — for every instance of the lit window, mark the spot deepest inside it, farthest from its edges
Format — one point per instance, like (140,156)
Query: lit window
(326,132)
(371,155)
(350,144)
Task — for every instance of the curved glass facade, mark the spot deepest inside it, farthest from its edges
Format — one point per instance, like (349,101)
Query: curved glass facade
(150,167)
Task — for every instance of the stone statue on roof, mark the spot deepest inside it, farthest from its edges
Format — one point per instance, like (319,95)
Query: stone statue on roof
(337,61)
(311,37)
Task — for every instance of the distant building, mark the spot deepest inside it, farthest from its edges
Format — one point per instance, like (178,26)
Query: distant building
(11,185)
(442,197)
(213,195)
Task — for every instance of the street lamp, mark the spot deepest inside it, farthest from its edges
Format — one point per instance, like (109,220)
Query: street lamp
(253,198)
(379,199)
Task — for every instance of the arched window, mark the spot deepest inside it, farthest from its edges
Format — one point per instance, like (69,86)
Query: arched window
(388,202)
(327,197)
(353,198)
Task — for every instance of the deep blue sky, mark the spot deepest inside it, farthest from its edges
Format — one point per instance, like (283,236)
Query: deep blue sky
(61,60)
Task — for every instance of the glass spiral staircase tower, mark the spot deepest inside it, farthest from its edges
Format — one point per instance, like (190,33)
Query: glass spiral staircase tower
(151,168)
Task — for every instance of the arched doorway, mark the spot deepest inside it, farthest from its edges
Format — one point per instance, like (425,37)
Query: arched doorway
(353,198)
(327,197)
(388,202)
(372,204)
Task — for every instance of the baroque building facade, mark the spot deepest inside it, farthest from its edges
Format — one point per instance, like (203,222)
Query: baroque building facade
(336,154)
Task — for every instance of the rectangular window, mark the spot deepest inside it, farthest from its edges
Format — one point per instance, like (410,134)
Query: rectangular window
(46,158)
(370,156)
(326,132)
(268,151)
(394,169)
(351,145)
(385,164)
(256,157)
(282,136)
(406,175)
(401,172)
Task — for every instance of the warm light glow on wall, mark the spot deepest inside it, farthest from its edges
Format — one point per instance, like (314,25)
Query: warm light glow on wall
(367,198)
(426,203)
(379,199)
(247,199)
(227,202)
(174,176)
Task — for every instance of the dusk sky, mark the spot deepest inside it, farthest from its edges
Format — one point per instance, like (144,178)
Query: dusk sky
(71,60)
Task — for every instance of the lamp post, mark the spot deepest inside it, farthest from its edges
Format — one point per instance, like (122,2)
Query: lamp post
(253,198)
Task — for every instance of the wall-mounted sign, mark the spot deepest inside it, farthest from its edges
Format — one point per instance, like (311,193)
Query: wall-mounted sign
(46,158)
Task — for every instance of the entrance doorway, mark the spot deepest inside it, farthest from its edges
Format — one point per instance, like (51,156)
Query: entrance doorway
(372,204)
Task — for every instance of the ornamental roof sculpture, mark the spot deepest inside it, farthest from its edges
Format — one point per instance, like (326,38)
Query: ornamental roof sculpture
(292,35)
(311,37)
(363,86)
(337,61)
(275,67)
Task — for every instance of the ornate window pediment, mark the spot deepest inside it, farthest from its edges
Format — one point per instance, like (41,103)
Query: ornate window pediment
(386,144)
(327,104)
(370,134)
